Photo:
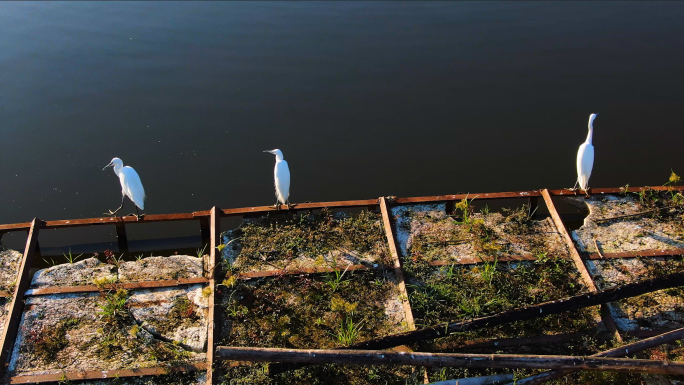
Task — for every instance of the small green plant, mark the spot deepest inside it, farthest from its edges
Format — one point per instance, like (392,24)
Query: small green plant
(114,308)
(200,252)
(334,280)
(674,179)
(139,258)
(51,261)
(648,198)
(229,282)
(466,208)
(70,258)
(488,270)
(349,331)
(64,381)
(236,310)
(542,257)
(112,258)
(624,189)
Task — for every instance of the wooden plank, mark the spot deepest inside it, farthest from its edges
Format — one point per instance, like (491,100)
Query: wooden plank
(579,263)
(313,270)
(213,314)
(621,351)
(9,333)
(392,243)
(100,374)
(520,361)
(123,285)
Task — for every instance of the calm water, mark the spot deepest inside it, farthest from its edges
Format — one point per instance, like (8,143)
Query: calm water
(365,99)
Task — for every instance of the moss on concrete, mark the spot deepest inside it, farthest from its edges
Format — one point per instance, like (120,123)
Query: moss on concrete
(286,240)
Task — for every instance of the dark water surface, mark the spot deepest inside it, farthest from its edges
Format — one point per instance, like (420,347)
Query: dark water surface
(365,99)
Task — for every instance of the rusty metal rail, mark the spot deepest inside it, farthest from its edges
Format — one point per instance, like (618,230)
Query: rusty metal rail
(213,314)
(636,254)
(579,263)
(374,357)
(100,374)
(311,270)
(11,324)
(123,285)
(196,215)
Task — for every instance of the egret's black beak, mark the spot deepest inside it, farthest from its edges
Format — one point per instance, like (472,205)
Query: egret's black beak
(105,167)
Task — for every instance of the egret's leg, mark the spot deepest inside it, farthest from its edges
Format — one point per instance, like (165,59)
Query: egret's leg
(117,210)
(137,215)
(289,205)
(277,205)
(575,187)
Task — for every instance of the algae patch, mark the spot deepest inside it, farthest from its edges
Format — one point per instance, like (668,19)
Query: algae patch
(304,312)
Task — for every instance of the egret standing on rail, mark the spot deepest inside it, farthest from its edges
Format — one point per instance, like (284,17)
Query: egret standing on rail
(282,179)
(131,186)
(585,158)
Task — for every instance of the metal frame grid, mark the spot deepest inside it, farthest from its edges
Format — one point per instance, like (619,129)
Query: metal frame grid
(210,230)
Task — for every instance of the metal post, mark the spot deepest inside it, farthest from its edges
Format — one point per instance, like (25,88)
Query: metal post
(11,327)
(213,316)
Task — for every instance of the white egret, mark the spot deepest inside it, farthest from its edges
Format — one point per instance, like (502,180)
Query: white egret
(585,157)
(281,175)
(131,186)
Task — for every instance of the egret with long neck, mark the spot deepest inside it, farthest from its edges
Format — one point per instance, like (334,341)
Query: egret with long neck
(281,174)
(585,157)
(131,186)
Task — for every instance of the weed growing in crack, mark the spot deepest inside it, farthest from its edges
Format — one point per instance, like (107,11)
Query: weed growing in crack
(114,309)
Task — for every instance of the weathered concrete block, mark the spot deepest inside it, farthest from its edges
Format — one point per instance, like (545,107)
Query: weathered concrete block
(161,268)
(83,272)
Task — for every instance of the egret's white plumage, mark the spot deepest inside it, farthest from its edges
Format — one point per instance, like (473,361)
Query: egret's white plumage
(131,186)
(585,157)
(281,174)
